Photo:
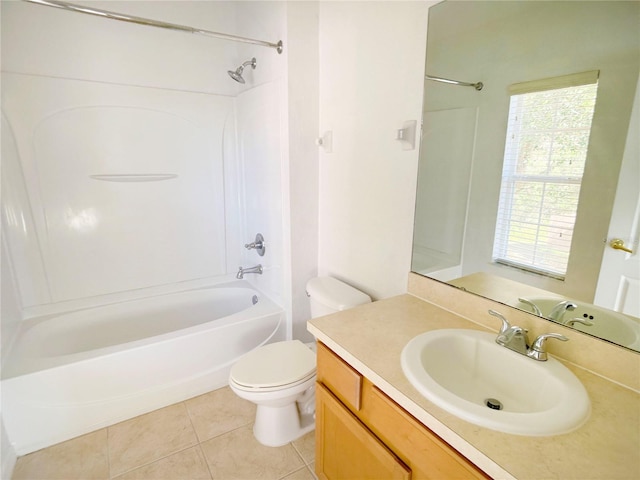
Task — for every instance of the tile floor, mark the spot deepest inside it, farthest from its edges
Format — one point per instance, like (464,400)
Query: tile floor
(204,438)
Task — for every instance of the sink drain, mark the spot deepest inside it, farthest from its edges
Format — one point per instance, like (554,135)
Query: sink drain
(493,403)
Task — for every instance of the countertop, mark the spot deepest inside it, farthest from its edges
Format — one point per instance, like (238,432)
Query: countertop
(371,338)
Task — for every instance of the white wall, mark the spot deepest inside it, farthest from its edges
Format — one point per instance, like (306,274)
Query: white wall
(371,81)
(302,181)
(285,209)
(71,45)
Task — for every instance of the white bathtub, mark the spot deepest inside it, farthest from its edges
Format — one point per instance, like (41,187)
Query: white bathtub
(74,373)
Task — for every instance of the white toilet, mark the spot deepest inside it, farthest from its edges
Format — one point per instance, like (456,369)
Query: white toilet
(279,378)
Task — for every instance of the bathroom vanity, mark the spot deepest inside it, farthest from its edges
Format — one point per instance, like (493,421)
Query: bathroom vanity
(362,433)
(371,422)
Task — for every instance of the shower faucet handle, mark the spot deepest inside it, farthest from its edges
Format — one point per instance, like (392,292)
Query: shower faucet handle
(258,245)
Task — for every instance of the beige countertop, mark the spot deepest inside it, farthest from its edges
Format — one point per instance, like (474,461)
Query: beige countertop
(371,338)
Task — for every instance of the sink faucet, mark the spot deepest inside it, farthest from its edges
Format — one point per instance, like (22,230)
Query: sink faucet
(515,338)
(512,337)
(257,269)
(557,313)
(582,321)
(537,350)
(533,306)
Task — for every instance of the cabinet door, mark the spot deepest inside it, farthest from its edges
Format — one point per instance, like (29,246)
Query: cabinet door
(346,449)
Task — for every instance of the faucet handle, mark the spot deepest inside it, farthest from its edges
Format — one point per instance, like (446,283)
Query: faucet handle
(537,351)
(505,323)
(534,307)
(258,244)
(582,321)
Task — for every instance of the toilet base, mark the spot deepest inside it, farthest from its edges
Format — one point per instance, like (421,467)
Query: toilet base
(277,426)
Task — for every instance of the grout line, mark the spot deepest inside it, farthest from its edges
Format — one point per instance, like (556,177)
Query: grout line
(108,453)
(227,432)
(304,462)
(206,462)
(313,473)
(292,472)
(197,443)
(193,426)
(191,419)
(298,452)
(153,461)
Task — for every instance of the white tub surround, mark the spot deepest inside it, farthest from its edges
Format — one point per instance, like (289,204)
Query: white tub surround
(73,373)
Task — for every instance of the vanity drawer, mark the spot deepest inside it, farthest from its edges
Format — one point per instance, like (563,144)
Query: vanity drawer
(341,378)
(428,456)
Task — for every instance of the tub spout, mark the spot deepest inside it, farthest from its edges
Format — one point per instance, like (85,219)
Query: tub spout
(257,269)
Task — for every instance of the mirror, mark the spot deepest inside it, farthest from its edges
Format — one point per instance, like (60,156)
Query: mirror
(462,149)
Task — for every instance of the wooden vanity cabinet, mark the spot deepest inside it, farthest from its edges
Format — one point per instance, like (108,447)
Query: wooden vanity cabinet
(363,434)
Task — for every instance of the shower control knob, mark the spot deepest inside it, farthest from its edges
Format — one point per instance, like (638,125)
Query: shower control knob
(258,245)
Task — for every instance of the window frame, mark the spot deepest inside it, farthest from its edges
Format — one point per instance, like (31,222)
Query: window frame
(510,176)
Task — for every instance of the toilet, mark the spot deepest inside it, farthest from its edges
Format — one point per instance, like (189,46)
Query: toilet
(280,377)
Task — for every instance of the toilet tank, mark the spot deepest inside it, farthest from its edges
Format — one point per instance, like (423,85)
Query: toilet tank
(329,295)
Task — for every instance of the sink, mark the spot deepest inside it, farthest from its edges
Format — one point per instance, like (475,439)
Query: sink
(466,373)
(613,326)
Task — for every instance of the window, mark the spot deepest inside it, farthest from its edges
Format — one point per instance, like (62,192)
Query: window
(545,153)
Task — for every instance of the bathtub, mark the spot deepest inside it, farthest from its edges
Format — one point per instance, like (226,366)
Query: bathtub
(73,373)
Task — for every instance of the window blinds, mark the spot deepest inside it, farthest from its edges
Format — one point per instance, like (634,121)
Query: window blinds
(546,148)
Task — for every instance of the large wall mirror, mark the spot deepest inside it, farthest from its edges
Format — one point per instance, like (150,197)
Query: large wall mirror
(521,51)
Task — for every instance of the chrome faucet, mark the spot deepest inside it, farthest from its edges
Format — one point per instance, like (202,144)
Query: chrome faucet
(537,350)
(515,338)
(582,321)
(257,269)
(512,337)
(258,245)
(533,306)
(557,312)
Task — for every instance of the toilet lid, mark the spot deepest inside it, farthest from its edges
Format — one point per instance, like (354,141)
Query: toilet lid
(275,364)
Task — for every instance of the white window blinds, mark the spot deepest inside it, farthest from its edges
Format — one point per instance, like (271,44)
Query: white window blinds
(546,148)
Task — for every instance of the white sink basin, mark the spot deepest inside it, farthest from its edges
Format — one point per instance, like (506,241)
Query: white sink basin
(462,370)
(613,326)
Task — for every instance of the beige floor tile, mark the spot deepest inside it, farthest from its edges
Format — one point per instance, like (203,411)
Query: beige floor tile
(306,447)
(302,474)
(238,456)
(187,464)
(83,458)
(149,437)
(219,412)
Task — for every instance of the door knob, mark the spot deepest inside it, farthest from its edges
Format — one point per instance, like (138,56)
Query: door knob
(618,244)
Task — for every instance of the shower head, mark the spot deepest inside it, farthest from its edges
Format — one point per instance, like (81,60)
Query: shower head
(237,74)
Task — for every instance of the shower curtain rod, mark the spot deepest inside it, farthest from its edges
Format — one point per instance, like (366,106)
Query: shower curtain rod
(477,86)
(152,23)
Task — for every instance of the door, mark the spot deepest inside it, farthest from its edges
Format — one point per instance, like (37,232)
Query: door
(619,281)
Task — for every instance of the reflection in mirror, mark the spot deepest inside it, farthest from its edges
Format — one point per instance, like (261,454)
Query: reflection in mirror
(506,45)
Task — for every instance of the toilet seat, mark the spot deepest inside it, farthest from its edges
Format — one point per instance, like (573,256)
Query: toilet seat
(274,366)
